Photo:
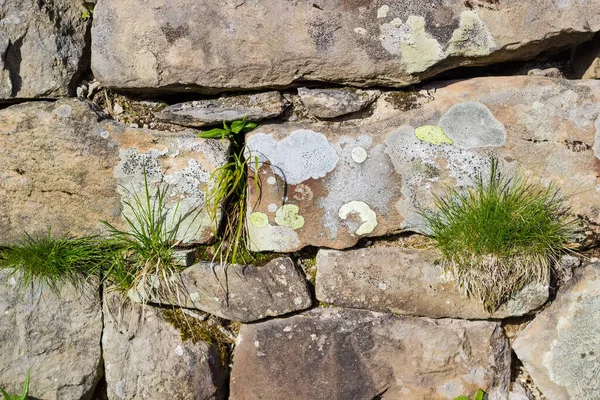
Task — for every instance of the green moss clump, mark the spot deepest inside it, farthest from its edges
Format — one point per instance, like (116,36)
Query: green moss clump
(403,101)
(208,331)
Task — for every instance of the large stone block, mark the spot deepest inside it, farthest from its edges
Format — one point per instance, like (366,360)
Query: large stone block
(44,48)
(407,282)
(560,347)
(212,46)
(57,336)
(145,357)
(65,167)
(330,184)
(338,353)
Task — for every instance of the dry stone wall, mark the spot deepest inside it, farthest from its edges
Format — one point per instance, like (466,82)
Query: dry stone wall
(362,121)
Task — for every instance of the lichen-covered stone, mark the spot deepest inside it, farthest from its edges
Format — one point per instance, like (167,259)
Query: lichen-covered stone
(145,357)
(338,353)
(407,282)
(342,181)
(253,107)
(560,347)
(64,166)
(44,48)
(332,103)
(55,336)
(242,293)
(211,46)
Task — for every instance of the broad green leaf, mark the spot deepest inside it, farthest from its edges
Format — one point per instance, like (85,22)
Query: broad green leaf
(479,395)
(213,133)
(462,398)
(237,126)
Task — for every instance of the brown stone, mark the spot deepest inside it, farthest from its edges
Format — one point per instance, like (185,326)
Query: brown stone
(331,184)
(338,353)
(65,167)
(407,282)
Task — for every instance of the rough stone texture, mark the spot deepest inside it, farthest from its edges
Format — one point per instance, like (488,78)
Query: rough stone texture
(145,358)
(43,48)
(560,347)
(255,107)
(585,59)
(331,103)
(406,282)
(57,337)
(61,165)
(213,46)
(328,184)
(344,354)
(242,293)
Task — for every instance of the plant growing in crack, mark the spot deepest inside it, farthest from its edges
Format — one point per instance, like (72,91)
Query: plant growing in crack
(227,192)
(500,235)
(24,393)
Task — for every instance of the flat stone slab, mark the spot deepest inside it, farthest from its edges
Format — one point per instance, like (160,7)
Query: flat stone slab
(44,48)
(242,293)
(407,282)
(560,347)
(64,166)
(145,358)
(337,353)
(209,46)
(329,184)
(56,336)
(332,103)
(253,107)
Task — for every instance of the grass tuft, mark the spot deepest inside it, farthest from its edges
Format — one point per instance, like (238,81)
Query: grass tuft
(227,192)
(54,261)
(500,235)
(143,259)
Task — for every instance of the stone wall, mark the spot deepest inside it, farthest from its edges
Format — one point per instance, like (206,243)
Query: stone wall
(366,111)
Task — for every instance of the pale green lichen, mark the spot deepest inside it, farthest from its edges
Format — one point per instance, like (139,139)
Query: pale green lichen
(432,134)
(419,49)
(364,212)
(472,38)
(287,215)
(259,219)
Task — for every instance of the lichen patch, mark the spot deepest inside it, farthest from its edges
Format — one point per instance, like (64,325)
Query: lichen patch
(364,212)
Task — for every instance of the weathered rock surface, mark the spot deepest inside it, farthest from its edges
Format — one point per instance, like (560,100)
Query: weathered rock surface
(331,103)
(242,293)
(145,358)
(406,282)
(43,48)
(344,354)
(213,46)
(58,337)
(254,107)
(64,166)
(329,184)
(560,347)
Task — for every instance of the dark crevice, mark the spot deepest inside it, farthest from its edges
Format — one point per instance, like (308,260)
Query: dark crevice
(12,63)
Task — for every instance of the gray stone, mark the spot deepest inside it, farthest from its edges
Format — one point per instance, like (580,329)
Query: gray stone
(560,347)
(184,257)
(213,46)
(339,353)
(254,107)
(329,184)
(65,166)
(407,282)
(242,293)
(56,336)
(145,357)
(332,103)
(549,72)
(43,48)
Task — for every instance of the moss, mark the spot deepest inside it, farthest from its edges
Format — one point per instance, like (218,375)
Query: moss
(207,331)
(404,100)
